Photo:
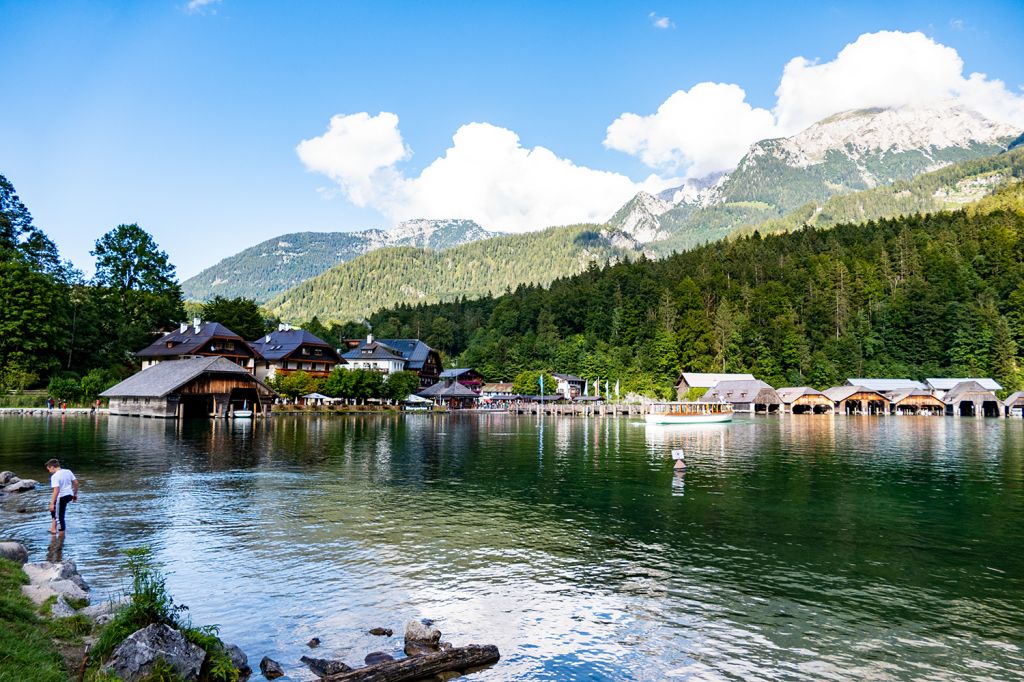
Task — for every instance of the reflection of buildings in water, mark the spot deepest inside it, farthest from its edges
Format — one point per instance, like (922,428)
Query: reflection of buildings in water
(808,432)
(563,432)
(678,482)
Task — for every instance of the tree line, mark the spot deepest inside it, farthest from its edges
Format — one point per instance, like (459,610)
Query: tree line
(917,296)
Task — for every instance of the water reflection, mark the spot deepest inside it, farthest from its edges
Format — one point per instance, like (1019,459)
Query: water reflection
(791,548)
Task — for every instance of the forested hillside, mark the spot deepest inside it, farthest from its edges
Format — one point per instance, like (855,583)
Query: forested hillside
(931,295)
(387,277)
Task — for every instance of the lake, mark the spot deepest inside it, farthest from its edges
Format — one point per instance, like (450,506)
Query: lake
(793,548)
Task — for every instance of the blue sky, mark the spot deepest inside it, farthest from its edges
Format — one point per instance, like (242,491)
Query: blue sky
(187,121)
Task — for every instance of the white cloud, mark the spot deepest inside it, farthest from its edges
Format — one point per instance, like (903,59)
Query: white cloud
(660,22)
(485,175)
(710,126)
(704,130)
(201,6)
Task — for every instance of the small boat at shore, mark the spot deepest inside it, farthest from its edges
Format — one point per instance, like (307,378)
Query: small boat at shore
(690,413)
(244,413)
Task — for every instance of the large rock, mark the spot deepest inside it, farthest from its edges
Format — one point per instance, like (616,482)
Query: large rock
(21,486)
(375,657)
(61,608)
(422,632)
(135,657)
(239,660)
(46,579)
(323,667)
(270,668)
(13,551)
(7,477)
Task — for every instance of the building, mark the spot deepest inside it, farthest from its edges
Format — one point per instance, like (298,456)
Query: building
(971,399)
(688,380)
(915,402)
(939,387)
(805,400)
(1014,404)
(748,395)
(450,394)
(569,385)
(417,356)
(191,387)
(197,340)
(858,400)
(887,385)
(468,377)
(498,390)
(289,350)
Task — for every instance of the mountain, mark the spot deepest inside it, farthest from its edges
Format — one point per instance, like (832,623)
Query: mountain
(394,276)
(848,152)
(639,217)
(268,268)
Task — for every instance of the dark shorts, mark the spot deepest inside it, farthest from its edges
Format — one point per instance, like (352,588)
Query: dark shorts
(61,507)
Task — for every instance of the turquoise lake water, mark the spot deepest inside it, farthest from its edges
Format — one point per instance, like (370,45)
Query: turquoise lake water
(793,548)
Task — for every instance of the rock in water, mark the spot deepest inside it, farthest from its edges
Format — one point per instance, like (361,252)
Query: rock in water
(13,551)
(133,658)
(382,632)
(313,643)
(6,477)
(270,668)
(418,648)
(239,660)
(323,667)
(47,579)
(20,486)
(422,632)
(377,657)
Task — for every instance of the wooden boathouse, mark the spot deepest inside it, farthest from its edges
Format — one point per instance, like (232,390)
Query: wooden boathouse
(194,387)
(805,400)
(857,400)
(971,399)
(915,402)
(752,396)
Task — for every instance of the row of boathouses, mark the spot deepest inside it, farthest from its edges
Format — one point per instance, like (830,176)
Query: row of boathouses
(965,397)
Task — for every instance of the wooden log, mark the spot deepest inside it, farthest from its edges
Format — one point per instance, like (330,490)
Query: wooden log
(418,667)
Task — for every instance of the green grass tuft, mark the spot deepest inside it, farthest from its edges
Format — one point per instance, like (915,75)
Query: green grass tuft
(26,650)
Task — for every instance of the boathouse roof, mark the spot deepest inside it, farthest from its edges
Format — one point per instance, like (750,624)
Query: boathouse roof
(965,390)
(791,393)
(707,380)
(840,393)
(885,385)
(166,377)
(283,342)
(744,391)
(1015,399)
(947,384)
(897,397)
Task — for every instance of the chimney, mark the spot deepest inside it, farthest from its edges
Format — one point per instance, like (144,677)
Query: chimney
(267,340)
(369,338)
(196,322)
(184,328)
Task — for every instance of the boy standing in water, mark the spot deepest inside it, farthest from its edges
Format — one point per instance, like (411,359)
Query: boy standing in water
(65,490)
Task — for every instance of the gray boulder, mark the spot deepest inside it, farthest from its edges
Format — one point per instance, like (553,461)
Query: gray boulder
(61,608)
(239,660)
(7,477)
(422,632)
(21,486)
(103,612)
(323,667)
(13,551)
(134,658)
(270,668)
(47,579)
(377,657)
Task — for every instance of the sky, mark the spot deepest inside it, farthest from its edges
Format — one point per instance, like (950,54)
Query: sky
(217,124)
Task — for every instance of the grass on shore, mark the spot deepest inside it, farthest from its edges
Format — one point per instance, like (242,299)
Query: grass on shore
(27,647)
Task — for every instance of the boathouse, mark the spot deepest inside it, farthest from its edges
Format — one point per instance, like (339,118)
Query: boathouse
(857,400)
(197,340)
(750,395)
(703,380)
(971,399)
(1014,404)
(193,387)
(290,350)
(915,402)
(940,387)
(805,400)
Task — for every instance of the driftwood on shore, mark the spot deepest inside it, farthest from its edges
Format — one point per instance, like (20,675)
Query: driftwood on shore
(418,667)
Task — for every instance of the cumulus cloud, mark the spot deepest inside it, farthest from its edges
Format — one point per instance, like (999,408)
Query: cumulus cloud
(660,22)
(710,126)
(486,175)
(705,129)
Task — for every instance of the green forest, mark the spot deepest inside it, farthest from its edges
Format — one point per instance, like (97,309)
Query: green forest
(918,296)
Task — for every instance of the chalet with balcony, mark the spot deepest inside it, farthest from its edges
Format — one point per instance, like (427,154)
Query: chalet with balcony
(291,350)
(395,355)
(197,340)
(467,376)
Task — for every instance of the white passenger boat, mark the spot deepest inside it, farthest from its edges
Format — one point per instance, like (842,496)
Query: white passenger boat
(689,413)
(244,413)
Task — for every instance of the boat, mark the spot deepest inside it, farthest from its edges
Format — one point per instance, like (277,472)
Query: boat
(689,413)
(244,413)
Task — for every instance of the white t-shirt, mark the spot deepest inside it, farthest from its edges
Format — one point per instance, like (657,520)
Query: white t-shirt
(62,479)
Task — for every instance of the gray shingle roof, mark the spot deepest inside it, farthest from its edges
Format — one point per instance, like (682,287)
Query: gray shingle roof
(282,343)
(165,377)
(840,393)
(883,385)
(707,380)
(946,384)
(1015,399)
(443,389)
(791,393)
(746,391)
(189,341)
(376,350)
(965,389)
(899,396)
